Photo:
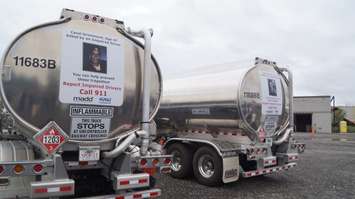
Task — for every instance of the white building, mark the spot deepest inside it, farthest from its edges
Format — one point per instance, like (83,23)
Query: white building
(313,112)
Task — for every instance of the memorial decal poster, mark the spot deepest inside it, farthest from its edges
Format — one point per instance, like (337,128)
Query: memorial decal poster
(271,94)
(92,69)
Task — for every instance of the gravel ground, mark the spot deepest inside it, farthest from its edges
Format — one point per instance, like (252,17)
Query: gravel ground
(325,170)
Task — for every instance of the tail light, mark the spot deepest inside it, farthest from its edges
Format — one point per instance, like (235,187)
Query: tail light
(166,170)
(143,162)
(1,169)
(38,168)
(151,171)
(155,161)
(167,161)
(18,168)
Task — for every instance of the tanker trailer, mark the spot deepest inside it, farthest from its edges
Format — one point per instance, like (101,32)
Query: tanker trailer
(78,96)
(218,125)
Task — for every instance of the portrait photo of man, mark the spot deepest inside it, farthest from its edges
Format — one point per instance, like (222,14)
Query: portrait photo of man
(94,58)
(272,87)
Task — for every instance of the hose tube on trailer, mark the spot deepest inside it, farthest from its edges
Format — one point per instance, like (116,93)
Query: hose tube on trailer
(288,131)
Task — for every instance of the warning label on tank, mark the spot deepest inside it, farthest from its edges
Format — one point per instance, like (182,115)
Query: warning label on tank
(92,69)
(90,128)
(271,97)
(200,111)
(90,123)
(270,123)
(91,111)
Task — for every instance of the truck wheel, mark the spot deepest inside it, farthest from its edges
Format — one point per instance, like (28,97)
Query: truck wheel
(207,166)
(181,164)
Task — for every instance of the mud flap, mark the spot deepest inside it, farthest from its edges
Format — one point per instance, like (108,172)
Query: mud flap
(230,169)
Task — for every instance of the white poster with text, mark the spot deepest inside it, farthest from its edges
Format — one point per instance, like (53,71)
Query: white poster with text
(92,69)
(271,95)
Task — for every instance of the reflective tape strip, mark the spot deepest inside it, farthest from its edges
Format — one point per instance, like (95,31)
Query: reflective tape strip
(267,162)
(268,170)
(154,194)
(219,133)
(138,195)
(295,157)
(66,188)
(53,189)
(40,190)
(256,151)
(297,145)
(136,181)
(124,182)
(71,163)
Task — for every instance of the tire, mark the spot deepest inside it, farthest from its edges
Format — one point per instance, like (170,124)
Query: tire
(183,166)
(207,156)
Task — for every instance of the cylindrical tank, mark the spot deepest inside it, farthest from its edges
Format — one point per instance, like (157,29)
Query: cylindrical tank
(85,76)
(253,100)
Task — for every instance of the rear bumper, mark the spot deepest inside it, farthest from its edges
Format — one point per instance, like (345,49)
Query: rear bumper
(249,174)
(55,188)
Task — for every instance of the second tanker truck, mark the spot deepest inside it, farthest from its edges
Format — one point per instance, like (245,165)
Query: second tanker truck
(219,125)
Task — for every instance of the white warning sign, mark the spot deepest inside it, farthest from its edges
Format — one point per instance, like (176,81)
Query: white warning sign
(92,69)
(270,123)
(271,95)
(90,123)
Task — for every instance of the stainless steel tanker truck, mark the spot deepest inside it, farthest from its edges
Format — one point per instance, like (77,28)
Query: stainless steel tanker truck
(77,99)
(220,125)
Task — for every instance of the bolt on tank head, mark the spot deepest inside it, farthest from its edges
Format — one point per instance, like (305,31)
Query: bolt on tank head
(256,60)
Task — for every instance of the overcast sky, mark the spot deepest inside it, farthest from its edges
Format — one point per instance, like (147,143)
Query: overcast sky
(316,39)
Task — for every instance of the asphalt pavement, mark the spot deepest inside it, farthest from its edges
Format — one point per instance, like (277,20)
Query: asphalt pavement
(325,170)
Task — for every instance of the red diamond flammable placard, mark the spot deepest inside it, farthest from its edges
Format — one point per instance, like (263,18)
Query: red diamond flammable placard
(51,137)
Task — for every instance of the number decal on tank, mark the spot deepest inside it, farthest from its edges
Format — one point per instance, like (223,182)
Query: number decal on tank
(35,62)
(51,139)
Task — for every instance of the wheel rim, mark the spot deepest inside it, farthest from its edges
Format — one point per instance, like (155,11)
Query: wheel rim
(176,162)
(206,166)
